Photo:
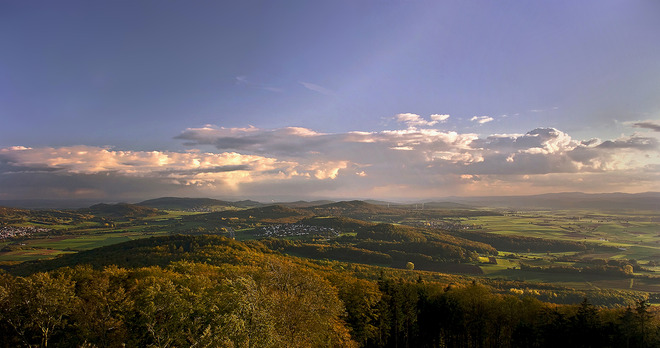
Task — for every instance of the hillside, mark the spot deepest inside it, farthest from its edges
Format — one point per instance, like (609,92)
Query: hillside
(216,292)
(150,252)
(268,214)
(5,211)
(356,209)
(120,211)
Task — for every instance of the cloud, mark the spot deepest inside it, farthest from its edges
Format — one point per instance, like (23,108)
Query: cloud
(244,81)
(416,161)
(481,119)
(654,126)
(635,142)
(439,118)
(396,154)
(317,88)
(414,120)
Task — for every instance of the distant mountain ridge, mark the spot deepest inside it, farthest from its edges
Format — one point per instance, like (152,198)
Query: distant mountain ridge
(120,210)
(565,200)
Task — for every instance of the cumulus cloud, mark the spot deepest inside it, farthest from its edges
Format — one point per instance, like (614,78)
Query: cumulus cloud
(414,120)
(396,154)
(439,118)
(416,161)
(481,119)
(227,170)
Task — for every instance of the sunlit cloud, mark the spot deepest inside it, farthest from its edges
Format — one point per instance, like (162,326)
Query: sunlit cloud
(481,119)
(439,118)
(414,120)
(227,170)
(421,159)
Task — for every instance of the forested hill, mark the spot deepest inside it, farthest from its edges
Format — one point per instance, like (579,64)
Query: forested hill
(119,210)
(267,214)
(216,292)
(352,208)
(379,212)
(181,203)
(192,204)
(157,252)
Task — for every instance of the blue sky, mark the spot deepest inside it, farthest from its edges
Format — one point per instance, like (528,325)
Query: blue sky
(124,100)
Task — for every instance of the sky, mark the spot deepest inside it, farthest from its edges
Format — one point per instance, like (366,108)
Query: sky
(283,100)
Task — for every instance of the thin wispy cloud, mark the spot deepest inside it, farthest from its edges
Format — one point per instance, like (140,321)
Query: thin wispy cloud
(544,110)
(316,88)
(244,81)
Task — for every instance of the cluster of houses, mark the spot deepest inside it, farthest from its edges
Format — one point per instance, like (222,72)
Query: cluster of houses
(19,231)
(292,230)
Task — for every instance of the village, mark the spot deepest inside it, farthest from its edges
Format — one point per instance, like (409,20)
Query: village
(292,230)
(7,232)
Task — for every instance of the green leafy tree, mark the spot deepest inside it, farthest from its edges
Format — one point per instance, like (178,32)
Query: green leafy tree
(38,307)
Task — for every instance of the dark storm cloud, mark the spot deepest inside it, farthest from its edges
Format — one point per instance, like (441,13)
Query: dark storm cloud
(9,166)
(638,143)
(649,125)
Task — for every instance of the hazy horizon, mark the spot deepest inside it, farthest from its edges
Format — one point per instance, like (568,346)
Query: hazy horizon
(390,100)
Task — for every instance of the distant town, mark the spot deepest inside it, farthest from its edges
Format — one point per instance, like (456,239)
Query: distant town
(292,230)
(17,231)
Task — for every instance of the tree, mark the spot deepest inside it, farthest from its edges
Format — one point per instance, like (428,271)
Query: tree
(628,269)
(644,317)
(38,306)
(104,304)
(360,298)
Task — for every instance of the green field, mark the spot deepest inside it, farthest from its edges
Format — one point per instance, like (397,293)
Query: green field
(638,234)
(86,235)
(632,236)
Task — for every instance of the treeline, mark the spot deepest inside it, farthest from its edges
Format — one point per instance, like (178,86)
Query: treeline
(528,244)
(280,303)
(621,263)
(625,271)
(185,304)
(426,315)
